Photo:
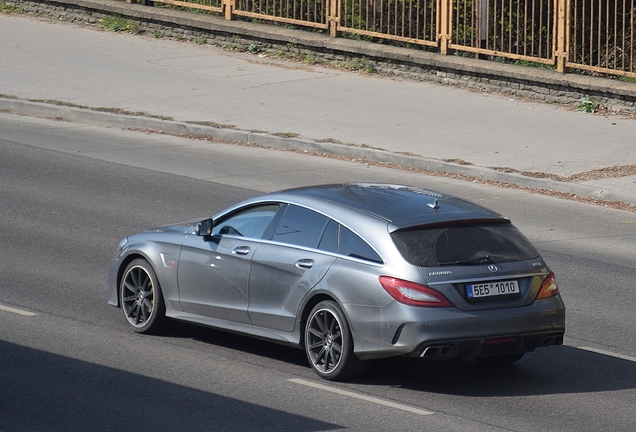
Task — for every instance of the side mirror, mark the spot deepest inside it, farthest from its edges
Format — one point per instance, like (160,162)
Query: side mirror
(204,228)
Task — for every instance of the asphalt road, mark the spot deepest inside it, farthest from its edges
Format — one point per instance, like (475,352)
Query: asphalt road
(69,193)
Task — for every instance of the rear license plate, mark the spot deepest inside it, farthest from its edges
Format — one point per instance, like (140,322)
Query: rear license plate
(492,289)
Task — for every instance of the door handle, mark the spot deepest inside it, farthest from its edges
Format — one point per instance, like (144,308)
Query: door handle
(304,263)
(241,250)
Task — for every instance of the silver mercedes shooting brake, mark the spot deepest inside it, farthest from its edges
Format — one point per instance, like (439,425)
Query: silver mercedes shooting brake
(349,273)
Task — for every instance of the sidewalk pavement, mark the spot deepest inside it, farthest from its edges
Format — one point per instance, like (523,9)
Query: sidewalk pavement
(185,88)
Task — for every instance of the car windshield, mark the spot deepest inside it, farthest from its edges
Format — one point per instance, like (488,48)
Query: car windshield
(463,245)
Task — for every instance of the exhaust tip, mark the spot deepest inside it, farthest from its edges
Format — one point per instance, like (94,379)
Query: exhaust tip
(438,351)
(448,351)
(431,352)
(552,340)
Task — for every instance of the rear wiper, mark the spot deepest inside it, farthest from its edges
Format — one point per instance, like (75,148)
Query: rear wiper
(478,260)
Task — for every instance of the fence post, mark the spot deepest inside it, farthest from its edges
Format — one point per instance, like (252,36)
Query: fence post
(562,31)
(444,19)
(333,17)
(228,9)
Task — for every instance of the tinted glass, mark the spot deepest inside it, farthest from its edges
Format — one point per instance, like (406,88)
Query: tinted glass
(341,240)
(329,241)
(464,244)
(300,226)
(250,222)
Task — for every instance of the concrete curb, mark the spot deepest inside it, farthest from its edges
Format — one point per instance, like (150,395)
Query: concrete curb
(89,116)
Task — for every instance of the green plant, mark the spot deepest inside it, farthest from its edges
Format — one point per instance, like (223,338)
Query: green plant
(588,105)
(254,48)
(158,34)
(118,24)
(9,8)
(311,59)
(201,40)
(628,79)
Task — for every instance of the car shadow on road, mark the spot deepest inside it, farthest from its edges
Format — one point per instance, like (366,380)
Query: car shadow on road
(238,342)
(42,391)
(557,370)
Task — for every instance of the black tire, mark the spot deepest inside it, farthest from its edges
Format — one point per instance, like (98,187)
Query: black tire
(141,298)
(500,360)
(329,345)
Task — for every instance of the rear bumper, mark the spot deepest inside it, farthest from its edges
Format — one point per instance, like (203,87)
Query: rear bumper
(448,332)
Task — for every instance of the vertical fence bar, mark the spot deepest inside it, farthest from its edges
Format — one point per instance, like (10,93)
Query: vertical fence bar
(444,27)
(560,51)
(333,16)
(228,9)
(624,36)
(632,41)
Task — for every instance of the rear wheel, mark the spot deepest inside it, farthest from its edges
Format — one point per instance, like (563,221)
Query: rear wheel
(329,345)
(141,298)
(500,360)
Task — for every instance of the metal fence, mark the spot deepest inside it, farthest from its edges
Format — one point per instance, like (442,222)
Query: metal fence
(514,29)
(598,36)
(602,35)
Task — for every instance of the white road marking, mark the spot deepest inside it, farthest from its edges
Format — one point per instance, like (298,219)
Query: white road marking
(17,311)
(608,353)
(362,397)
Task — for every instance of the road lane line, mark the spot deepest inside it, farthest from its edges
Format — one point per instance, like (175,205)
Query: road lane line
(17,311)
(361,397)
(608,353)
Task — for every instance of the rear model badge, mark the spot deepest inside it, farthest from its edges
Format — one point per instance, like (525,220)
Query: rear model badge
(440,273)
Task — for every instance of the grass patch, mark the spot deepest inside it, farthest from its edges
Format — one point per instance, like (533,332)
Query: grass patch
(212,124)
(286,134)
(358,64)
(118,24)
(5,8)
(102,109)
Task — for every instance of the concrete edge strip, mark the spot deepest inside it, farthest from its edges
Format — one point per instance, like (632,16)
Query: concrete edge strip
(82,115)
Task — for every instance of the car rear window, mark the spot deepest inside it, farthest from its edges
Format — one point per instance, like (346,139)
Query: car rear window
(463,245)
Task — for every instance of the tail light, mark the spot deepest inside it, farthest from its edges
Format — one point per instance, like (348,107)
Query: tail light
(413,294)
(548,288)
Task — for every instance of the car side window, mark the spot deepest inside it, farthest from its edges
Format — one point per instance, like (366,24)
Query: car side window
(250,222)
(300,226)
(343,241)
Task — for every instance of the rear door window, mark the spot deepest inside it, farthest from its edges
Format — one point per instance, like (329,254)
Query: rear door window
(463,245)
(300,226)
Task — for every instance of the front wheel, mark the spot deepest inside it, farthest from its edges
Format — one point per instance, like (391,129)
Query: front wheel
(141,298)
(329,345)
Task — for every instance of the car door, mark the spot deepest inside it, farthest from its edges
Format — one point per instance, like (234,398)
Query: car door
(213,271)
(285,269)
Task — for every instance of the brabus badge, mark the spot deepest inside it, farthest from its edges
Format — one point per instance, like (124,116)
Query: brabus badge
(493,268)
